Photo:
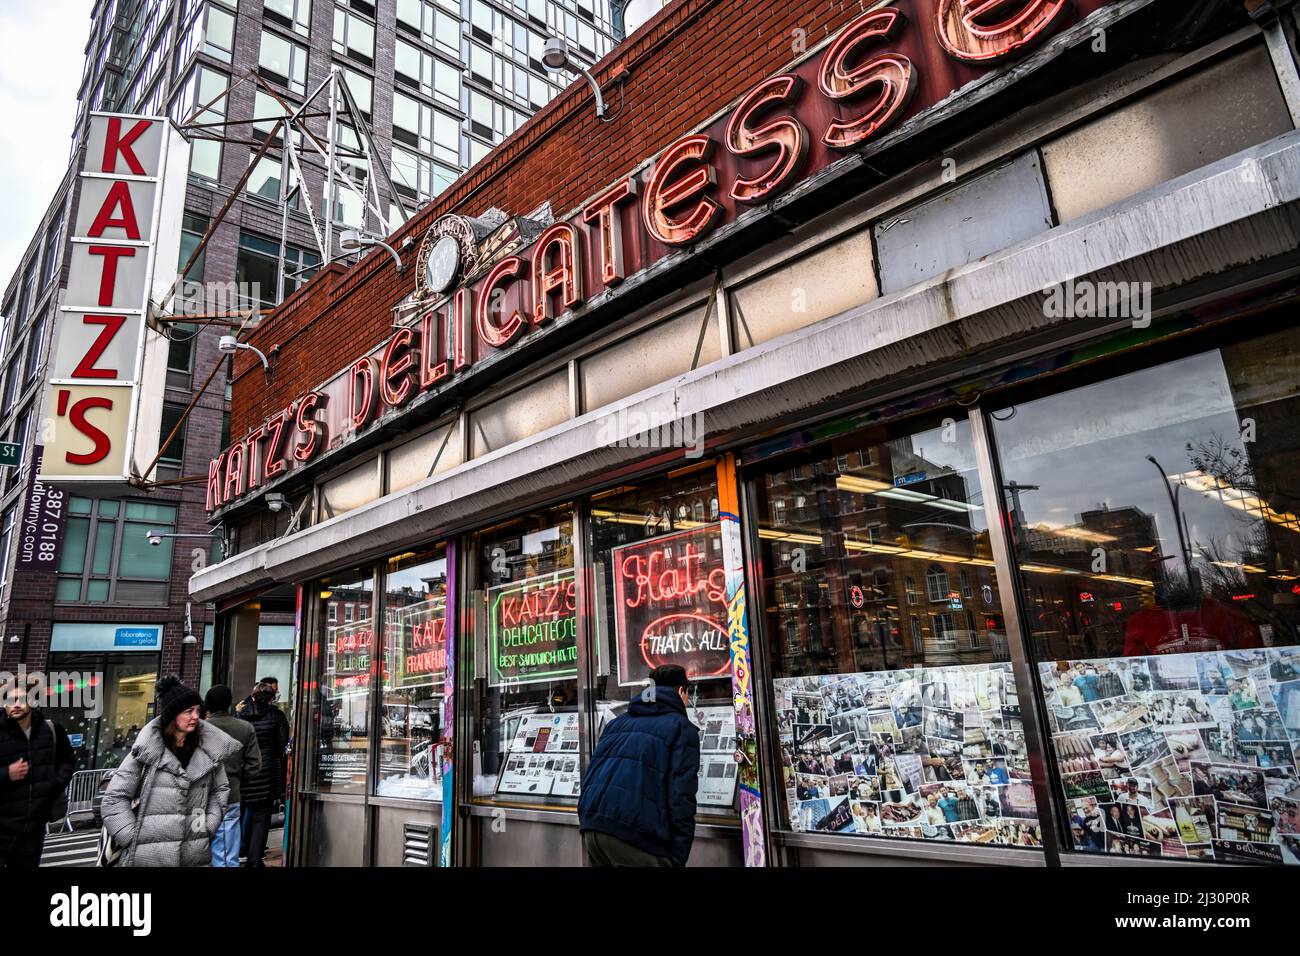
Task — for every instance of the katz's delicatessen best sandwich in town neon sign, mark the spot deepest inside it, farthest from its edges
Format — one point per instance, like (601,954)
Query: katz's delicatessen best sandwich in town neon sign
(485,287)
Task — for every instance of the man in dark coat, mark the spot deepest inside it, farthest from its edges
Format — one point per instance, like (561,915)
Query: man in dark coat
(638,795)
(245,761)
(261,790)
(36,764)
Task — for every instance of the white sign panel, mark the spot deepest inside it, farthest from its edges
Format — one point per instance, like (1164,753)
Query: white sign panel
(103,403)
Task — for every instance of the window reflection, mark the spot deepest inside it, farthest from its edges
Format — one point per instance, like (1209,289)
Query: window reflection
(897,712)
(1154,517)
(660,598)
(342,698)
(414,675)
(524,636)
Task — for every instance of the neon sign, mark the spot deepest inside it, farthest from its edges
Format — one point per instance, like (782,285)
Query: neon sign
(889,65)
(670,605)
(533,630)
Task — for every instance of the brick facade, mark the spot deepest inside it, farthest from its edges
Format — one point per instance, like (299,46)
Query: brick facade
(693,59)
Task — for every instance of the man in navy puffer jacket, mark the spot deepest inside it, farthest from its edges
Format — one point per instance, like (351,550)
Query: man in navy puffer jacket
(638,794)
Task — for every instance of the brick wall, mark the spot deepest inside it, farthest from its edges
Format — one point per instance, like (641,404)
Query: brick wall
(692,60)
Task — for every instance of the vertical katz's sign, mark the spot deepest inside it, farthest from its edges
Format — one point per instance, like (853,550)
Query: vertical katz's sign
(670,605)
(103,405)
(533,630)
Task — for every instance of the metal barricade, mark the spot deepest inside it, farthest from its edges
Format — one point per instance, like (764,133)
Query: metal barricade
(81,796)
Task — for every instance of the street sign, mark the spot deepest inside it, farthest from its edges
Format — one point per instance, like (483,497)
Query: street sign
(10,453)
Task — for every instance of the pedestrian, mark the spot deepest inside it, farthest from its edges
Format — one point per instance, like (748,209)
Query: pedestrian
(36,764)
(272,682)
(638,795)
(245,761)
(165,803)
(261,790)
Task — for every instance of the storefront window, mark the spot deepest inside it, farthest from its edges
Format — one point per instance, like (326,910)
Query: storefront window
(341,703)
(661,598)
(1155,521)
(896,708)
(102,737)
(414,675)
(524,619)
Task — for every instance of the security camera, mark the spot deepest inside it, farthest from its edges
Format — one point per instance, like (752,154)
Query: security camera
(154,538)
(274,501)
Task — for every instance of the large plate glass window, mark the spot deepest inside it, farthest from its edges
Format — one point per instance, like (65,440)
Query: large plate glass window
(414,669)
(524,616)
(897,713)
(1155,522)
(661,598)
(344,650)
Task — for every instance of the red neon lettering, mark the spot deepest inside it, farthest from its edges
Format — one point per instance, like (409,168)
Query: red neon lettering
(498,336)
(115,142)
(77,416)
(254,460)
(362,373)
(785,135)
(540,602)
(309,426)
(431,337)
(273,464)
(966,34)
(563,241)
(86,367)
(214,497)
(460,306)
(235,472)
(119,195)
(603,210)
(108,278)
(396,370)
(891,73)
(664,193)
(657,580)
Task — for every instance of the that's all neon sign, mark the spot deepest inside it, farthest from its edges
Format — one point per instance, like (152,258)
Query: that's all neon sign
(670,605)
(890,64)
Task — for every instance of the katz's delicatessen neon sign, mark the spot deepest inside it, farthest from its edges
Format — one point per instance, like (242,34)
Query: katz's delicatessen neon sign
(485,286)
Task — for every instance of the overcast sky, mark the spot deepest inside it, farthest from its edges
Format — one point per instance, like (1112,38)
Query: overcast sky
(41,56)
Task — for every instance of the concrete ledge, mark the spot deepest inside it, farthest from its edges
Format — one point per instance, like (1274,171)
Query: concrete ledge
(1230,214)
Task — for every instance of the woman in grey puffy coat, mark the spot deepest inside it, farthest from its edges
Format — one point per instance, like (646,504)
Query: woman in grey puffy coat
(175,771)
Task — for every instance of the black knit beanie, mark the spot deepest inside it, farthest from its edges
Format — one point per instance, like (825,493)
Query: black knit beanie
(174,697)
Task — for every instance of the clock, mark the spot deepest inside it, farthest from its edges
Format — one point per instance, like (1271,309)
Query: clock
(443,265)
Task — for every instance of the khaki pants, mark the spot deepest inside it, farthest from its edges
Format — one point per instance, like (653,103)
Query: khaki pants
(606,850)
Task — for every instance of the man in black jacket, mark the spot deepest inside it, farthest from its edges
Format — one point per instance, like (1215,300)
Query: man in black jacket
(261,790)
(36,764)
(638,795)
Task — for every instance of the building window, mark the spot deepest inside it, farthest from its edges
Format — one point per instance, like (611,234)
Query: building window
(203,86)
(52,249)
(219,33)
(107,557)
(354,36)
(850,695)
(414,676)
(341,711)
(35,347)
(193,228)
(294,14)
(936,584)
(180,356)
(173,457)
(1192,619)
(283,62)
(257,266)
(6,538)
(265,181)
